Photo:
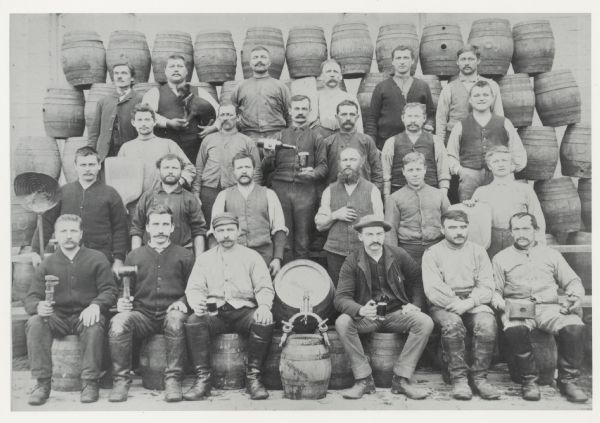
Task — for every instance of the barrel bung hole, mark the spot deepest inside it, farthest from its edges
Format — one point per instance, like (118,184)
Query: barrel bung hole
(443,28)
(444,46)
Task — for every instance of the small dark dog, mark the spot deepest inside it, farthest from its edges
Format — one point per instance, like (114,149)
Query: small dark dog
(194,106)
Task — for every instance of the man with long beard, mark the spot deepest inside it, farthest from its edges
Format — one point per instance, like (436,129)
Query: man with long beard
(343,203)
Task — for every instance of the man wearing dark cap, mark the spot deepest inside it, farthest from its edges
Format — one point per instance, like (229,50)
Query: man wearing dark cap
(378,273)
(230,289)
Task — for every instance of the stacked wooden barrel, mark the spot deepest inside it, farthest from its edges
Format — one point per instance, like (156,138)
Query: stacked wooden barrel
(272,39)
(394,35)
(495,42)
(352,47)
(440,44)
(215,57)
(166,44)
(128,46)
(541,146)
(83,58)
(305,50)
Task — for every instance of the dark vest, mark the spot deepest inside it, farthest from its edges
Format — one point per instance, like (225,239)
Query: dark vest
(253,215)
(403,146)
(343,239)
(477,139)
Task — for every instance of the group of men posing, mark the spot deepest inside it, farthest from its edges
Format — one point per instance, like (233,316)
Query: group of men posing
(414,251)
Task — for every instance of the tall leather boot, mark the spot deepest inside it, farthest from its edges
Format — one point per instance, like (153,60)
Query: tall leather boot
(174,371)
(120,353)
(519,345)
(483,350)
(258,347)
(453,347)
(198,338)
(570,356)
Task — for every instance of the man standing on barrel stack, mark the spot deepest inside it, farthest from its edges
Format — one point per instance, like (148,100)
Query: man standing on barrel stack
(172,110)
(458,281)
(529,275)
(157,305)
(229,289)
(85,291)
(381,274)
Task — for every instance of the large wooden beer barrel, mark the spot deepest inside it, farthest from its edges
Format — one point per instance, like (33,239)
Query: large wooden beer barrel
(23,222)
(227,358)
(215,57)
(305,50)
(383,350)
(22,274)
(66,364)
(341,371)
(19,339)
(295,280)
(144,87)
(127,46)
(63,111)
(305,367)
(435,86)
(440,43)
(352,48)
(271,377)
(557,98)
(576,151)
(226,91)
(581,263)
(36,154)
(272,39)
(495,42)
(97,91)
(534,47)
(560,204)
(518,99)
(83,58)
(153,362)
(211,89)
(167,43)
(542,152)
(584,189)
(365,92)
(392,36)
(68,157)
(545,355)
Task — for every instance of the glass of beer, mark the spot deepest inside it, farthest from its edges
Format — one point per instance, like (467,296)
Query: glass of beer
(211,307)
(303,159)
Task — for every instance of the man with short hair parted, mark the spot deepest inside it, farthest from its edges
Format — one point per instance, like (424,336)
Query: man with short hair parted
(458,282)
(85,291)
(369,274)
(414,139)
(188,220)
(236,280)
(157,305)
(526,272)
(415,210)
(474,135)
(344,203)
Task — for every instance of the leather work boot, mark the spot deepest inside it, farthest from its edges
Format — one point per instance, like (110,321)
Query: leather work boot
(40,392)
(573,392)
(174,371)
(461,389)
(530,391)
(570,356)
(258,346)
(402,385)
(120,390)
(173,391)
(89,391)
(120,353)
(483,350)
(198,338)
(453,348)
(360,387)
(519,346)
(486,390)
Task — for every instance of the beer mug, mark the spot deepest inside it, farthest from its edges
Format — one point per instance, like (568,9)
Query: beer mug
(211,308)
(303,159)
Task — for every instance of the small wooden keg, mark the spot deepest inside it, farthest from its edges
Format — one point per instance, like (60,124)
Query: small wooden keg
(215,57)
(305,367)
(557,98)
(167,43)
(581,263)
(272,39)
(153,362)
(394,35)
(305,50)
(534,47)
(97,91)
(66,364)
(227,358)
(22,274)
(584,189)
(576,151)
(365,92)
(63,111)
(144,87)
(440,43)
(560,204)
(226,91)
(352,48)
(271,377)
(19,340)
(127,46)
(435,86)
(542,152)
(518,99)
(383,350)
(36,154)
(545,354)
(83,58)
(495,42)
(68,156)
(341,371)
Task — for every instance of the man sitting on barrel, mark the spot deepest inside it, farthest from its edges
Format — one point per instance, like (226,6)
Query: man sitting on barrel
(528,276)
(83,289)
(369,275)
(229,289)
(157,305)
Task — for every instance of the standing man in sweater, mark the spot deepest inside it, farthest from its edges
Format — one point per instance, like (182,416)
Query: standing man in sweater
(157,305)
(85,291)
(390,97)
(112,126)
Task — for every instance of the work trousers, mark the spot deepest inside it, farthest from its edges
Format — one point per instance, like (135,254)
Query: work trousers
(470,180)
(208,195)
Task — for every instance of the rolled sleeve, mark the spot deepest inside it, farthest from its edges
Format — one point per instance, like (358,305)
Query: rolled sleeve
(276,216)
(262,283)
(442,163)
(387,159)
(515,145)
(453,149)
(323,219)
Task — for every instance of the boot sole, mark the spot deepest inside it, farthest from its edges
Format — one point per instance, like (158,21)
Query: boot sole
(355,398)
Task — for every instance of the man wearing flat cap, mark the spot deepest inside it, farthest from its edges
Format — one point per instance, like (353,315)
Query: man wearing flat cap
(229,289)
(378,273)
